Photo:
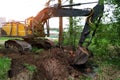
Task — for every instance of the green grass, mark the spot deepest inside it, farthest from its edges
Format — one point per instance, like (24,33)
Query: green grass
(4,67)
(7,38)
(3,39)
(31,68)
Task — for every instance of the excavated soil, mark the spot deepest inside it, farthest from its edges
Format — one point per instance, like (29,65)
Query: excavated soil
(52,64)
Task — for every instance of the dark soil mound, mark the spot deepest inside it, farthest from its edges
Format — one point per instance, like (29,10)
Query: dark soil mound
(52,64)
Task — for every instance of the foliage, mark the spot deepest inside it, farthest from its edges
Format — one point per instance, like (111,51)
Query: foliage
(4,67)
(116,14)
(106,49)
(72,39)
(105,38)
(31,68)
(37,50)
(106,43)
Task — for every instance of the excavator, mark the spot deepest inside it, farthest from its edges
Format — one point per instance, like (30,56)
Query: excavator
(33,29)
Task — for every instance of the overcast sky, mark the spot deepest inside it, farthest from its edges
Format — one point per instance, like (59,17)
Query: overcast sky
(22,9)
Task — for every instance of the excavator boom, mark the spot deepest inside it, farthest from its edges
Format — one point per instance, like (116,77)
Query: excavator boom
(91,14)
(60,12)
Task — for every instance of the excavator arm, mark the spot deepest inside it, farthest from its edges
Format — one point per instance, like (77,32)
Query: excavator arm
(94,15)
(91,14)
(49,12)
(93,19)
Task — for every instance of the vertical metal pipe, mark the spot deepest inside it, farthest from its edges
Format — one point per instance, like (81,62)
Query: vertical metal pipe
(48,28)
(60,25)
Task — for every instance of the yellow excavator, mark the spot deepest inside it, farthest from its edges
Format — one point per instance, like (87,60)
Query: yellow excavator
(33,33)
(31,36)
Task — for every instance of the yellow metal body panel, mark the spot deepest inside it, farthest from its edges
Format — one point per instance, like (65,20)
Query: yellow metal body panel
(15,29)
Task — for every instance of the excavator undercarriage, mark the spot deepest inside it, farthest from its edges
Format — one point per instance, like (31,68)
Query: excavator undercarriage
(18,45)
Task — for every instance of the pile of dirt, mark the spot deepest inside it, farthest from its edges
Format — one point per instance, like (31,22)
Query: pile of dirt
(55,65)
(52,64)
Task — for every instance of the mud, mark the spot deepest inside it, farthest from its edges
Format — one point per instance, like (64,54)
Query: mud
(52,64)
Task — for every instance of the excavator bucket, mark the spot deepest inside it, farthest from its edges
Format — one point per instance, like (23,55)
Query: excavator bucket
(81,56)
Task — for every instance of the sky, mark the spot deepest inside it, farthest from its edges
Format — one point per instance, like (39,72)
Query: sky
(21,9)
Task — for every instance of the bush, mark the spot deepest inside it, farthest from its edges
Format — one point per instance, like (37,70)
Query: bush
(4,67)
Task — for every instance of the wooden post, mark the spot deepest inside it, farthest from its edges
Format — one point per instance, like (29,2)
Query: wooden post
(60,26)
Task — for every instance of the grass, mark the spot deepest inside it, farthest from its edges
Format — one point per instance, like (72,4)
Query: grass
(36,50)
(3,39)
(7,38)
(108,68)
(4,67)
(31,68)
(108,72)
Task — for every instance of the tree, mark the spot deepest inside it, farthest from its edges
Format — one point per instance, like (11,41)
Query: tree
(73,39)
(106,42)
(116,16)
(71,26)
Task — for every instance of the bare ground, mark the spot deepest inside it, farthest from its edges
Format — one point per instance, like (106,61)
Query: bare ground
(52,64)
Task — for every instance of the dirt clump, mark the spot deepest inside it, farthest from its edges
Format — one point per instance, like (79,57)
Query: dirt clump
(52,64)
(55,66)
